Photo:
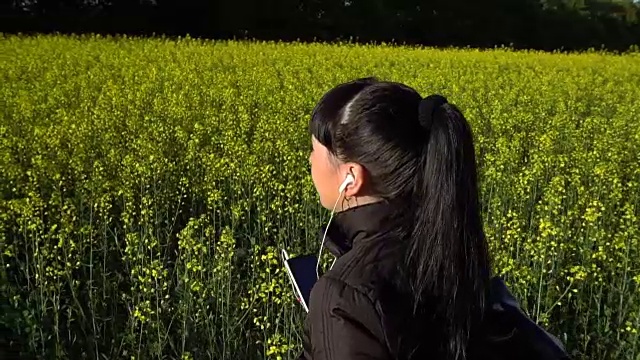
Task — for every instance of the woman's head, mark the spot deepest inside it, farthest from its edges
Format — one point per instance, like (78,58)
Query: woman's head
(368,129)
(418,155)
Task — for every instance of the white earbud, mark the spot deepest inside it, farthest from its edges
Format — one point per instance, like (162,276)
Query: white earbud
(347,181)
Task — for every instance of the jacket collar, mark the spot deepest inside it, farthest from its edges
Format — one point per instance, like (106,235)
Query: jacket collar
(351,226)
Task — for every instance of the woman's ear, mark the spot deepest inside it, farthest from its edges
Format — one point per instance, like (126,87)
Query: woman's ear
(356,187)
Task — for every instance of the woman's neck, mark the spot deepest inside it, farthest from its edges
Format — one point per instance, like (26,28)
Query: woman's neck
(354,202)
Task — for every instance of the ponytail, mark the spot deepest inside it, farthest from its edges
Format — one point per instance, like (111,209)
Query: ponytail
(447,255)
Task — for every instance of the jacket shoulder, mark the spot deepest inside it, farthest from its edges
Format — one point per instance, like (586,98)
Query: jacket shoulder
(343,323)
(340,292)
(364,269)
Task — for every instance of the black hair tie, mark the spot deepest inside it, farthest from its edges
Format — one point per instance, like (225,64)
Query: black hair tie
(427,108)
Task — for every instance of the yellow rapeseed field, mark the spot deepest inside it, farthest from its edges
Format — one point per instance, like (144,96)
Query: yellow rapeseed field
(147,185)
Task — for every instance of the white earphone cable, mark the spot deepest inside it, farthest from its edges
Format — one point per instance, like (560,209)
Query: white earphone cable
(325,235)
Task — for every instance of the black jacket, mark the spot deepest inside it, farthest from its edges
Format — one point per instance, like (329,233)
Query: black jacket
(356,313)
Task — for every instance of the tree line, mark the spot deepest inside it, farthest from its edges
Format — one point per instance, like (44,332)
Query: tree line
(533,24)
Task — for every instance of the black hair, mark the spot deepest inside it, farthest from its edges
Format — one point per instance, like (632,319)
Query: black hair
(428,171)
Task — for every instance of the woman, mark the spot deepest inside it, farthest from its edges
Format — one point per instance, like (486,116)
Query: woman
(411,278)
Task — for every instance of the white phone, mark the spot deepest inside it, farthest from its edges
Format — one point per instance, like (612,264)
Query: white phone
(302,274)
